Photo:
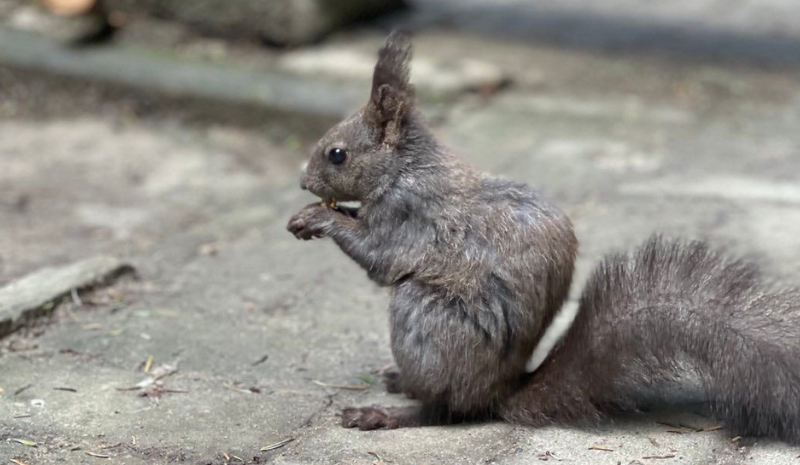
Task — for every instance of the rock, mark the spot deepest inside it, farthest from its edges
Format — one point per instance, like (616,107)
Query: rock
(282,22)
(34,296)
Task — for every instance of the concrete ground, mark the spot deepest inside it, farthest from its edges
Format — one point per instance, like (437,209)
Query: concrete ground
(257,339)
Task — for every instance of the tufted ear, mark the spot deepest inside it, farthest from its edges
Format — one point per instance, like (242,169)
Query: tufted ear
(392,96)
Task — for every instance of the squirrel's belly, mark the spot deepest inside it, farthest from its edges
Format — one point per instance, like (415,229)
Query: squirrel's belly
(449,350)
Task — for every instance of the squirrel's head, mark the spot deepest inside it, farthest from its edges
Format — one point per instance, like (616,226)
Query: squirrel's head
(357,156)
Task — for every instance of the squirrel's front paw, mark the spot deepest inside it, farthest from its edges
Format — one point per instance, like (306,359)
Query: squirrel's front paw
(311,221)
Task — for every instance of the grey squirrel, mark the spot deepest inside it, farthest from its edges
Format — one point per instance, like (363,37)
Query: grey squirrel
(479,268)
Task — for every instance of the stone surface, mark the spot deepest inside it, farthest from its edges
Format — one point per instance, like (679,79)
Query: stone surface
(36,295)
(252,319)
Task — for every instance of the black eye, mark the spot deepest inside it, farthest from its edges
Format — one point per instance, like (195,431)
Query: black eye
(337,156)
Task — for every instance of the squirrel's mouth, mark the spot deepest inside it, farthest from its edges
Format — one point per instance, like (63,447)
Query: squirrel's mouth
(347,207)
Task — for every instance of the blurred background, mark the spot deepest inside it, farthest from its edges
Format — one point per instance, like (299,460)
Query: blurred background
(167,136)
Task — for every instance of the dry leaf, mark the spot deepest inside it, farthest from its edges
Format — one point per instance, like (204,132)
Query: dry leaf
(24,442)
(148,364)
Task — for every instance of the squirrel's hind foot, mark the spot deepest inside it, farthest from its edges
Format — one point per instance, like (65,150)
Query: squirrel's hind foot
(369,418)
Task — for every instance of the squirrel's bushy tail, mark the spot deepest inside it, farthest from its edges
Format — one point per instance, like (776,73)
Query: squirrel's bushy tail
(673,322)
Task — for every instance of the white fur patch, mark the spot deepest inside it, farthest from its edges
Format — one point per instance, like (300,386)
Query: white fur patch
(350,204)
(304,167)
(558,327)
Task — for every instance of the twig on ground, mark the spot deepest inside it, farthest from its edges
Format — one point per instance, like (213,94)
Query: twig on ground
(349,387)
(277,445)
(599,447)
(23,389)
(68,389)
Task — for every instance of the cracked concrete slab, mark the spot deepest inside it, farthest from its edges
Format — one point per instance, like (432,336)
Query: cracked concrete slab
(36,295)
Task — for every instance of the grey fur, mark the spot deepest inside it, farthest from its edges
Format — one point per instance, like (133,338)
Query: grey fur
(675,322)
(478,267)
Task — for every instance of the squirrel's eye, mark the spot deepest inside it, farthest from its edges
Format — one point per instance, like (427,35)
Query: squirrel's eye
(337,156)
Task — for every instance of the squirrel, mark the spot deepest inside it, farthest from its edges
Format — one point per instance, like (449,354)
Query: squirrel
(480,268)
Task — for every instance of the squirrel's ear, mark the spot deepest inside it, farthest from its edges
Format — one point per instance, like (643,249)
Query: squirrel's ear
(392,95)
